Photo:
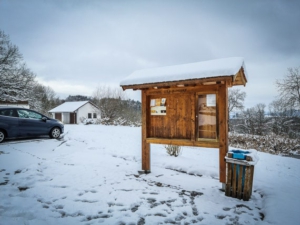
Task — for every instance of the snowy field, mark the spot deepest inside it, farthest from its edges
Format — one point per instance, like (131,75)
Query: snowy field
(90,176)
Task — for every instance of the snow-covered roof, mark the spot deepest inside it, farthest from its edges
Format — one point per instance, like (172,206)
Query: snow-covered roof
(68,107)
(199,70)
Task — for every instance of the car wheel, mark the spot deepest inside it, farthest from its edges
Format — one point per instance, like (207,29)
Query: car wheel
(55,132)
(2,136)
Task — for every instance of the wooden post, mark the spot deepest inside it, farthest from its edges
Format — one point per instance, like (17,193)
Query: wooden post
(240,182)
(193,104)
(145,145)
(246,194)
(229,179)
(223,129)
(251,179)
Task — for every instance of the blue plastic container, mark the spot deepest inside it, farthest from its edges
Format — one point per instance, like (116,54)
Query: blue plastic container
(239,154)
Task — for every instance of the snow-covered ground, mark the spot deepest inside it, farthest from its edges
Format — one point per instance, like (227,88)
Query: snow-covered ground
(90,176)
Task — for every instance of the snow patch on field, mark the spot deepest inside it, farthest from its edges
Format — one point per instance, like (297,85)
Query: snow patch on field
(90,176)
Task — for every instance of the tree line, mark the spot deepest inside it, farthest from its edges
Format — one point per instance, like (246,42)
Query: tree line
(116,108)
(282,117)
(275,129)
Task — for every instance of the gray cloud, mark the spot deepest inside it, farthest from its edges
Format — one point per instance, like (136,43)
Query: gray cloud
(86,43)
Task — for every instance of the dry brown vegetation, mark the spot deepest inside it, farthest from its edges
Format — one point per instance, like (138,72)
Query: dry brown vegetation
(272,143)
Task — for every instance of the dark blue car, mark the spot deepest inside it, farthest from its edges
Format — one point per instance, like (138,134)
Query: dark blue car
(19,122)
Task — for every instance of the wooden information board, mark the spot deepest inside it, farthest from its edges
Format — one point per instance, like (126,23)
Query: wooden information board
(187,112)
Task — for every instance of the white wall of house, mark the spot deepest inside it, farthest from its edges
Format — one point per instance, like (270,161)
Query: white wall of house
(83,112)
(66,118)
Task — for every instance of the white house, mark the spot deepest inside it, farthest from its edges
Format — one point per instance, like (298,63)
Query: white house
(74,112)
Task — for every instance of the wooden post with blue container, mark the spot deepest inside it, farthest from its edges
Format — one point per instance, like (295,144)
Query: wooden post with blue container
(240,173)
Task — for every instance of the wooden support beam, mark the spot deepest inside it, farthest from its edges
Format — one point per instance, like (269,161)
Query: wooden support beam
(183,142)
(193,104)
(223,129)
(145,146)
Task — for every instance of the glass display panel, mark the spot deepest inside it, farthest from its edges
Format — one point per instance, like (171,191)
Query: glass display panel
(207,116)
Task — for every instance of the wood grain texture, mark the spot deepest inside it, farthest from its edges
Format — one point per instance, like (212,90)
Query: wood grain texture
(228,180)
(145,146)
(177,121)
(223,129)
(240,182)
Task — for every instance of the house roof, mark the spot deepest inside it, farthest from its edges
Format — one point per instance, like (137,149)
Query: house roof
(70,106)
(225,67)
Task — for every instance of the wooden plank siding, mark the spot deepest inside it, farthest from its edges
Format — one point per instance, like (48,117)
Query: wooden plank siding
(177,122)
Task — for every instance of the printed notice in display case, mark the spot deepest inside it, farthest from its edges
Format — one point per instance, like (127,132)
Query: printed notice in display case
(158,107)
(211,100)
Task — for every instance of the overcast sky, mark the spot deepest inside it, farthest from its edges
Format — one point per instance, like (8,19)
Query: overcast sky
(74,46)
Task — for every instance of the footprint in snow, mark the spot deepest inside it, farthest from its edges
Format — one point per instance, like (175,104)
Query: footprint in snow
(226,209)
(58,206)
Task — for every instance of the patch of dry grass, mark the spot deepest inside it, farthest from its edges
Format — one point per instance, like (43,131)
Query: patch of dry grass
(273,144)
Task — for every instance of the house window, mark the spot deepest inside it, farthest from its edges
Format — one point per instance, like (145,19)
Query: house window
(94,115)
(90,115)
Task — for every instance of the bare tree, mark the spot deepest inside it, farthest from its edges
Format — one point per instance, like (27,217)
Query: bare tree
(9,54)
(42,98)
(104,91)
(15,77)
(236,99)
(260,119)
(285,119)
(289,88)
(254,121)
(17,82)
(116,108)
(109,101)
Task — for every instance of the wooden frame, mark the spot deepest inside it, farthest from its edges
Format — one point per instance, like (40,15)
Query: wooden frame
(216,139)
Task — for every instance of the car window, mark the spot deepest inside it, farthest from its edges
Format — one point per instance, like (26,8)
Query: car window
(8,112)
(23,113)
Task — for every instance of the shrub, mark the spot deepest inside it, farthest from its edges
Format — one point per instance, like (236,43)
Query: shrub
(86,121)
(173,150)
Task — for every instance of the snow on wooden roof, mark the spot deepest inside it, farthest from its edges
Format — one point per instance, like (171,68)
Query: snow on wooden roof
(224,67)
(68,106)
